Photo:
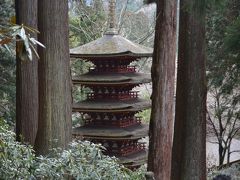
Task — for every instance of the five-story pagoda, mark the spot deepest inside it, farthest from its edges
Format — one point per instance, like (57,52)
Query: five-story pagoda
(110,108)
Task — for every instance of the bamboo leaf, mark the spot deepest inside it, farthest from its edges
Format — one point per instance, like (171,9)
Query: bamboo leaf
(7,48)
(30,29)
(28,49)
(16,27)
(22,33)
(34,50)
(34,41)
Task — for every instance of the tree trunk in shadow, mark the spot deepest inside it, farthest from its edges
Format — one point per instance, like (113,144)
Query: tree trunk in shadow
(163,76)
(55,106)
(189,144)
(26,79)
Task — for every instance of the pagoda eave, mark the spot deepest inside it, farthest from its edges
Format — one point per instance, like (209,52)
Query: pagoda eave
(111,106)
(134,159)
(111,45)
(130,78)
(107,84)
(126,54)
(113,133)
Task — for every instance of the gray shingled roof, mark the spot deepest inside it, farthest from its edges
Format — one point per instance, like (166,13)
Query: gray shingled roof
(111,106)
(121,78)
(134,159)
(111,45)
(132,132)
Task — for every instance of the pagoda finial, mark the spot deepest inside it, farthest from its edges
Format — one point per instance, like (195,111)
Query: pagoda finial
(112,18)
(112,11)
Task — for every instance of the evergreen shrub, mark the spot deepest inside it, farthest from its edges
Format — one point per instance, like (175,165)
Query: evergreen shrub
(82,160)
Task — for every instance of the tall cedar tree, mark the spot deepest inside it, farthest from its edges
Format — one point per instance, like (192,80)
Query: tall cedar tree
(26,79)
(54,127)
(189,144)
(163,75)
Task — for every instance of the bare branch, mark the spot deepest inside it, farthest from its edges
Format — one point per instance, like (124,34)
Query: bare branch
(121,17)
(236,151)
(214,142)
(213,125)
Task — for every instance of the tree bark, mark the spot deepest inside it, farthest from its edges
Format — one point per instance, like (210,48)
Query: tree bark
(221,152)
(229,151)
(54,127)
(189,144)
(27,79)
(163,76)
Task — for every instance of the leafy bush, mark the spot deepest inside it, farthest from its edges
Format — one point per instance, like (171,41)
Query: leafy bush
(7,68)
(16,160)
(82,160)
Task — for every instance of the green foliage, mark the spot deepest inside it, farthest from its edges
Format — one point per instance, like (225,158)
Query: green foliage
(7,69)
(145,114)
(82,160)
(7,86)
(87,22)
(223,46)
(16,160)
(6,11)
(232,46)
(216,4)
(232,39)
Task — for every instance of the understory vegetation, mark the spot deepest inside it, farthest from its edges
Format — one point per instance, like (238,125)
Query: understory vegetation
(82,160)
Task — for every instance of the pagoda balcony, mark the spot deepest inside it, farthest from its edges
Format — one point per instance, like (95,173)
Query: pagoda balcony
(113,95)
(121,147)
(113,69)
(113,123)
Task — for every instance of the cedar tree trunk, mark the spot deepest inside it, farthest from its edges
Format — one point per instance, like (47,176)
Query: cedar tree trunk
(163,75)
(27,79)
(189,144)
(54,127)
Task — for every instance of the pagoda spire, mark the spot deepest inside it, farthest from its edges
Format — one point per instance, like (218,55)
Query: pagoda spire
(112,18)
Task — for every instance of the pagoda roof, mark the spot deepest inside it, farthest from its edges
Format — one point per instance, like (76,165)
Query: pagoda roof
(111,45)
(134,159)
(112,79)
(113,133)
(111,105)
